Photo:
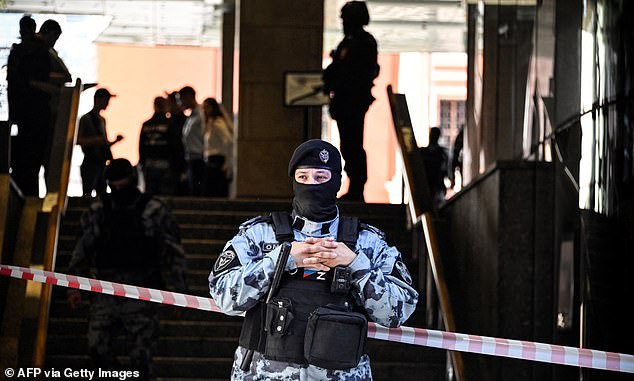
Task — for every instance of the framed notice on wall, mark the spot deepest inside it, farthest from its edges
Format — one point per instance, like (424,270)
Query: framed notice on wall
(304,89)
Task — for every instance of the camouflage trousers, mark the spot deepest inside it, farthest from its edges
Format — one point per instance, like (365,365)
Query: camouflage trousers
(266,370)
(137,320)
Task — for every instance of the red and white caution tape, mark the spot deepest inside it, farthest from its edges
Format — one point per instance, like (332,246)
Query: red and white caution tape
(111,288)
(523,350)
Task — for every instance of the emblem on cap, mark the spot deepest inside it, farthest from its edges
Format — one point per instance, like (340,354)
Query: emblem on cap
(324,156)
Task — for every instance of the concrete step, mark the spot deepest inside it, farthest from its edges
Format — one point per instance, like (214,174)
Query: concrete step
(234,212)
(181,368)
(195,262)
(216,344)
(168,328)
(167,346)
(187,368)
(187,230)
(201,246)
(253,204)
(221,232)
(59,309)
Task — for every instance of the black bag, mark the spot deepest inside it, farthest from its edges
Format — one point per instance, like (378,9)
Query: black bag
(335,339)
(281,323)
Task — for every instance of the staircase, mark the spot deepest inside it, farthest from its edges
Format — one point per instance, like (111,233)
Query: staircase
(198,345)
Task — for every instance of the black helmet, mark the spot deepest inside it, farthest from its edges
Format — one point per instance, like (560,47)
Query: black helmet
(355,13)
(119,169)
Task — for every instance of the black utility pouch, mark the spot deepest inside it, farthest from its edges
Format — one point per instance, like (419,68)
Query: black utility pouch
(335,339)
(279,316)
(281,343)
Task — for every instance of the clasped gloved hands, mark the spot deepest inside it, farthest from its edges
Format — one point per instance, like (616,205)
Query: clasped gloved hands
(321,253)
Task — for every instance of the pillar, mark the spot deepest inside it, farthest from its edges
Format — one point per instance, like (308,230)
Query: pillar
(275,36)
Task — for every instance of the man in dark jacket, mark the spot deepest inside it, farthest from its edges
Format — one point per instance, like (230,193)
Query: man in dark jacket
(349,80)
(93,139)
(132,238)
(155,152)
(28,77)
(435,161)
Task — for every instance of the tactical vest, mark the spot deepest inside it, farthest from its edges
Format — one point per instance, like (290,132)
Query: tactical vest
(123,245)
(294,301)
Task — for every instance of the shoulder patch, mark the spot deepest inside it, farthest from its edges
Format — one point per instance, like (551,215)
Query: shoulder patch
(400,271)
(373,229)
(227,259)
(255,221)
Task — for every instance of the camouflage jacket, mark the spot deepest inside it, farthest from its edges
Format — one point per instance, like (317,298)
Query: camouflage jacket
(241,276)
(157,222)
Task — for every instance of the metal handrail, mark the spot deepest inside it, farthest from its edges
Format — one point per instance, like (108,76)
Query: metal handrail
(55,201)
(423,210)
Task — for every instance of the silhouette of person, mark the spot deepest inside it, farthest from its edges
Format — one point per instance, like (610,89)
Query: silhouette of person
(456,157)
(58,76)
(435,161)
(93,139)
(193,140)
(127,237)
(155,151)
(349,80)
(218,150)
(30,94)
(177,119)
(17,81)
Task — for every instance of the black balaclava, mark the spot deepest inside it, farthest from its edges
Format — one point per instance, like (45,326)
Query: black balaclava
(317,202)
(119,169)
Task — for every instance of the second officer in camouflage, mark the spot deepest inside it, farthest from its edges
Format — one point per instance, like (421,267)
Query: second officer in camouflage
(132,238)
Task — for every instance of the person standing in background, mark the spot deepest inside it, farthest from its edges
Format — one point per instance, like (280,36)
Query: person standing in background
(436,162)
(154,151)
(456,158)
(349,80)
(193,140)
(176,119)
(58,76)
(28,77)
(93,139)
(127,237)
(218,150)
(17,81)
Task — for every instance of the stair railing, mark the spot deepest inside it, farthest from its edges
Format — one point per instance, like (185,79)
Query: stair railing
(29,239)
(54,205)
(422,211)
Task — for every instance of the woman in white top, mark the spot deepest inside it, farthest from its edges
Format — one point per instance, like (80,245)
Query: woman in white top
(218,150)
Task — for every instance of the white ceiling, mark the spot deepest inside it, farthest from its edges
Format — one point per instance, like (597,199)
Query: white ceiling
(407,25)
(398,25)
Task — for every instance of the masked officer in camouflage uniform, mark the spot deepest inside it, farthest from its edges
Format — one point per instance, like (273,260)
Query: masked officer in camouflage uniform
(310,330)
(127,237)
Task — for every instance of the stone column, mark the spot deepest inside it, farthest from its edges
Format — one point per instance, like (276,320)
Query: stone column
(275,36)
(228,49)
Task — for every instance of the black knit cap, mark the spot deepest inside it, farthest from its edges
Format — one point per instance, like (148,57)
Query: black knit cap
(315,153)
(118,169)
